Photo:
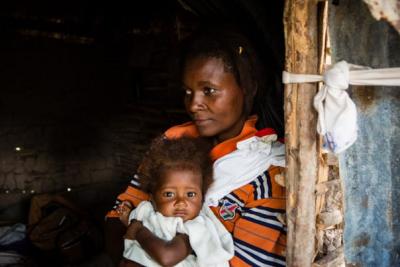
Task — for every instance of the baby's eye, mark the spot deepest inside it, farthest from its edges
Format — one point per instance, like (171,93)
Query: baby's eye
(209,90)
(168,194)
(191,194)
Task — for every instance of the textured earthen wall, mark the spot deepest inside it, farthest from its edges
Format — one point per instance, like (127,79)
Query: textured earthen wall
(79,117)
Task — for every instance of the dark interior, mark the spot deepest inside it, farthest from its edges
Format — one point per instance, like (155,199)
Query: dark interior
(86,85)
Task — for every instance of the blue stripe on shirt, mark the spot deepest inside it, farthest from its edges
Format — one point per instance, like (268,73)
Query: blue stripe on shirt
(255,256)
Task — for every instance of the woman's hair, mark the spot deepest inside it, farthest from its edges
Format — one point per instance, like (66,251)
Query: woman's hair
(184,153)
(261,89)
(237,54)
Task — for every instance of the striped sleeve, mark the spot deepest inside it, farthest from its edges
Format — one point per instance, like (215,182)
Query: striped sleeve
(132,193)
(259,237)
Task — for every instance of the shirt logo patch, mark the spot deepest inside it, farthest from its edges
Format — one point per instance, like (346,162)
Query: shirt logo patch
(228,210)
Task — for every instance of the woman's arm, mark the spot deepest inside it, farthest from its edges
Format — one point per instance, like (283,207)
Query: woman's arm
(128,263)
(166,253)
(260,219)
(114,242)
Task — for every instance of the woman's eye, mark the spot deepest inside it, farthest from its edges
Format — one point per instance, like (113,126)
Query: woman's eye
(188,92)
(168,194)
(191,194)
(209,90)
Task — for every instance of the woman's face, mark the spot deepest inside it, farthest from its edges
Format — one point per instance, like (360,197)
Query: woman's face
(213,98)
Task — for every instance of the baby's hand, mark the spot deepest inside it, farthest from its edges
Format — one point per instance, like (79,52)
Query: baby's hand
(132,230)
(124,209)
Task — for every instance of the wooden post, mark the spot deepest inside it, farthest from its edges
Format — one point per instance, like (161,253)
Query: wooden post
(323,168)
(301,38)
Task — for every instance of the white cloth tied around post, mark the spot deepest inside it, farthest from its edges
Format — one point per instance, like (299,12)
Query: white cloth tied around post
(252,157)
(337,114)
(208,238)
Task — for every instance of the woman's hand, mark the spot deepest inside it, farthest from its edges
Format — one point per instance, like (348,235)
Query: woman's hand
(123,210)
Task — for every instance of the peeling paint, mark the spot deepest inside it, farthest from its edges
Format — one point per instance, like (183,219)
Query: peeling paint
(388,10)
(366,97)
(370,169)
(364,202)
(362,240)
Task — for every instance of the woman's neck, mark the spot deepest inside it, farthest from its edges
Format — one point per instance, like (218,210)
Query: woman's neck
(235,130)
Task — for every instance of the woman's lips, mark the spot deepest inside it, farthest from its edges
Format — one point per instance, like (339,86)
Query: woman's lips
(202,122)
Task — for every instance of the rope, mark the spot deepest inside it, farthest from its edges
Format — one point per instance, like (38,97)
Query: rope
(337,114)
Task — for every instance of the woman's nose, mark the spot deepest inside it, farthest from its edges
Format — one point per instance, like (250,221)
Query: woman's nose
(196,103)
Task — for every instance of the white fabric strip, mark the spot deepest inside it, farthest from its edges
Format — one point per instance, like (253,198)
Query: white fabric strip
(337,114)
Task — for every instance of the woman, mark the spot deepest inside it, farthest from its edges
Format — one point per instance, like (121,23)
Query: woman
(220,78)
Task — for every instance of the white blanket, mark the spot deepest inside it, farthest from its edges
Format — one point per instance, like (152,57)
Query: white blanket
(208,238)
(252,157)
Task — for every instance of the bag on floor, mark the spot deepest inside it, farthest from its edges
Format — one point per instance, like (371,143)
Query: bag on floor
(55,224)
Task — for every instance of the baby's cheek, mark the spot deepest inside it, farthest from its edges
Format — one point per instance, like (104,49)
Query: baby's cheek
(198,206)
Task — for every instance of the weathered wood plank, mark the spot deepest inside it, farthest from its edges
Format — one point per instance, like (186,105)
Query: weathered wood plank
(300,20)
(323,187)
(323,167)
(333,259)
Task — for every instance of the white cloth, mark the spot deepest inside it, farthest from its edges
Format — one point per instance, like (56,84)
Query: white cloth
(208,238)
(337,114)
(252,157)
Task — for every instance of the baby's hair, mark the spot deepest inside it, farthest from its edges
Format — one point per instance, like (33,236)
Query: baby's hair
(184,153)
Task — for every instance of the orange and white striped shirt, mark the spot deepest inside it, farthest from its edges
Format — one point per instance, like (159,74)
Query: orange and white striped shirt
(249,213)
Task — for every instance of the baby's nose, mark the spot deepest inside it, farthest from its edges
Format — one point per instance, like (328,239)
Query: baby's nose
(181,202)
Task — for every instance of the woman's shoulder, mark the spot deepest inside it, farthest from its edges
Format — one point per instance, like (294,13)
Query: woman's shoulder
(186,129)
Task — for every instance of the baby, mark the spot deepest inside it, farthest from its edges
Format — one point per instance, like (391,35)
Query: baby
(176,174)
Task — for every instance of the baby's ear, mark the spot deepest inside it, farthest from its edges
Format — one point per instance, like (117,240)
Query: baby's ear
(151,199)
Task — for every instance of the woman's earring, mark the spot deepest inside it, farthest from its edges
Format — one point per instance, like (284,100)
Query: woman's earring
(240,50)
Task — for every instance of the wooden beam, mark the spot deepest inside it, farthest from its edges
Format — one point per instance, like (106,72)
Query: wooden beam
(301,38)
(323,165)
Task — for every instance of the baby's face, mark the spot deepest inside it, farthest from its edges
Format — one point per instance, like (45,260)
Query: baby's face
(179,194)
